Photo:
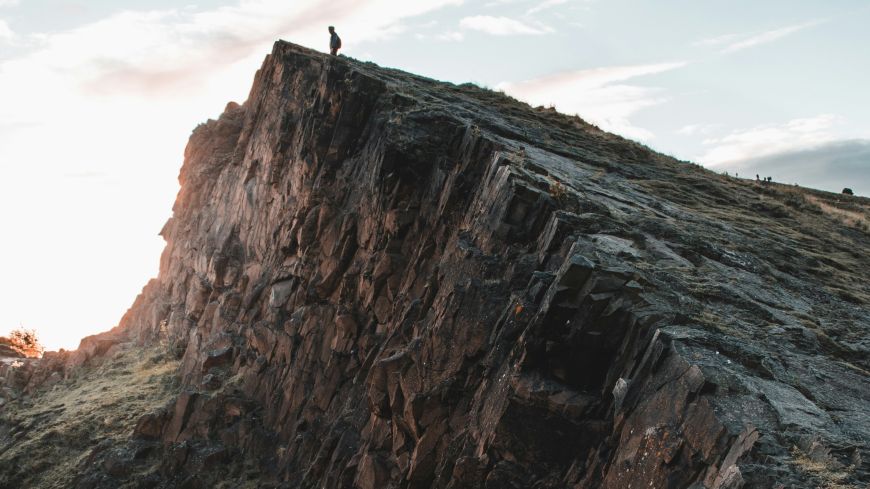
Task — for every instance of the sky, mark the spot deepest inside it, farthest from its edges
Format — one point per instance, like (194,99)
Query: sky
(98,98)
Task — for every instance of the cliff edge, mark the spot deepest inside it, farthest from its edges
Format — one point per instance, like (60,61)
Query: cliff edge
(376,280)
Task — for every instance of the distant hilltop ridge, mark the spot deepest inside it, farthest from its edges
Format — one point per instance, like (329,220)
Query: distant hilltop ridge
(377,280)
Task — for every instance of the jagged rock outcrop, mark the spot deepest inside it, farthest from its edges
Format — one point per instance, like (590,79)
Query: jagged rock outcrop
(377,280)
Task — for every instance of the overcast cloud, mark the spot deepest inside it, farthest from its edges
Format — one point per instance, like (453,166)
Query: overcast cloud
(830,166)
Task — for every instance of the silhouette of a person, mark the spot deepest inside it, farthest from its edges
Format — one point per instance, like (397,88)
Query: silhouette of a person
(334,41)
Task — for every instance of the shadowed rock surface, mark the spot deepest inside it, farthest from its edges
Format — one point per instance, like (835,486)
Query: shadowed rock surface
(377,280)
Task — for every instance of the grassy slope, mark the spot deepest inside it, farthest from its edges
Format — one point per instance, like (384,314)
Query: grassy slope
(46,439)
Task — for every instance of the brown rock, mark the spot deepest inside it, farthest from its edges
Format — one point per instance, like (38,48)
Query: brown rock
(393,294)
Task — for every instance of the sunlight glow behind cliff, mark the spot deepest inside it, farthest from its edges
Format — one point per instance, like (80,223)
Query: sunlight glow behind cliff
(93,140)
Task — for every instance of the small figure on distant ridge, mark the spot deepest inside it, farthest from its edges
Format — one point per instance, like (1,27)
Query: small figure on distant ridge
(334,41)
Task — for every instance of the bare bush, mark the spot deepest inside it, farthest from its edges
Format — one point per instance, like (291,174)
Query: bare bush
(25,341)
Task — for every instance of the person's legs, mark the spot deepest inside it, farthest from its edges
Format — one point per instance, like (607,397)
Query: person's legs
(333,51)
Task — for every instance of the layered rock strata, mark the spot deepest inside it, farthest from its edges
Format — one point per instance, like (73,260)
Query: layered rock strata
(376,280)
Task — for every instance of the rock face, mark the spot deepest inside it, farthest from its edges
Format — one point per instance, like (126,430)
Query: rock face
(376,280)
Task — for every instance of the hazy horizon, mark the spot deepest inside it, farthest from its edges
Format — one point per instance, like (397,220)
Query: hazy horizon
(100,98)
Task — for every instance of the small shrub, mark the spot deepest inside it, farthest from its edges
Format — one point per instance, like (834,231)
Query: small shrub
(558,192)
(27,342)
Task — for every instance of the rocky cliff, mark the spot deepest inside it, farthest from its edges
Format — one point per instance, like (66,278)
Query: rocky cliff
(377,280)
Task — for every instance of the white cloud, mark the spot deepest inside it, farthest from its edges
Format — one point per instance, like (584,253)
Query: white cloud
(770,139)
(8,3)
(446,36)
(501,26)
(545,5)
(6,33)
(767,37)
(496,3)
(718,40)
(597,95)
(167,49)
(453,36)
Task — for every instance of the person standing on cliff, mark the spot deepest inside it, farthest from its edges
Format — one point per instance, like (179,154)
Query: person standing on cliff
(334,41)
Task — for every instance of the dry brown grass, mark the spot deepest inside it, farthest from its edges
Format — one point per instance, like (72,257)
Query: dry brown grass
(848,217)
(52,434)
(830,476)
